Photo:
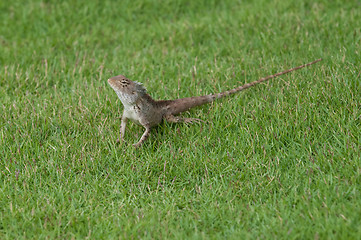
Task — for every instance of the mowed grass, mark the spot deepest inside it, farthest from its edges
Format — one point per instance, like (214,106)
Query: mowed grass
(280,160)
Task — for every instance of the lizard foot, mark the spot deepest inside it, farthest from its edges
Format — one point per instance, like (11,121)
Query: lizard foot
(177,119)
(192,120)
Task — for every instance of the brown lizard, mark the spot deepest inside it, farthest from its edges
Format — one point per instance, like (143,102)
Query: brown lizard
(144,110)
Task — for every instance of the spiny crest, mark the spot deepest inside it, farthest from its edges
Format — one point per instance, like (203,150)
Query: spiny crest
(140,88)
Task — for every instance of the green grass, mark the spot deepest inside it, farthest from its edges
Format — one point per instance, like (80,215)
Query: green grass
(280,160)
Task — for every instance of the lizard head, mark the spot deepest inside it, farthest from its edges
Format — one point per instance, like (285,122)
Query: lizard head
(128,91)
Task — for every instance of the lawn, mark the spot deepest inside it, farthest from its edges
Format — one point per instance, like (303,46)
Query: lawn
(279,160)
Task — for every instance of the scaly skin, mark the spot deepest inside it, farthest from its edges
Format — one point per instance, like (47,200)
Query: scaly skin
(143,110)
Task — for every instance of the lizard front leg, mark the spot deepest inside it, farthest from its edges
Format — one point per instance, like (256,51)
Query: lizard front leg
(123,124)
(177,119)
(144,137)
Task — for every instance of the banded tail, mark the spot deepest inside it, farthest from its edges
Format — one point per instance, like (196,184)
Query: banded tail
(183,104)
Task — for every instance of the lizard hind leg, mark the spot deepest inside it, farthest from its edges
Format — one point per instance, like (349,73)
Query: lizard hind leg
(177,119)
(144,137)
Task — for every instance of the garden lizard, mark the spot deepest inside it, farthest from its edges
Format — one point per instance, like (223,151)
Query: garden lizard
(144,110)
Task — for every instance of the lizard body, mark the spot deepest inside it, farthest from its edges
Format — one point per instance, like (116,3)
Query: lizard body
(144,110)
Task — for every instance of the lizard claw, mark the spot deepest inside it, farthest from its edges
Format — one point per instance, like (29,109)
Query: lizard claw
(136,145)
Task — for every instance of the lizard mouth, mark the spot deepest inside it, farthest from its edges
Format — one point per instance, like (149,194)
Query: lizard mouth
(111,82)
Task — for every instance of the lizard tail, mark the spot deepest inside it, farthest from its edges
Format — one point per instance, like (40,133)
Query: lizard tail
(183,104)
(248,85)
